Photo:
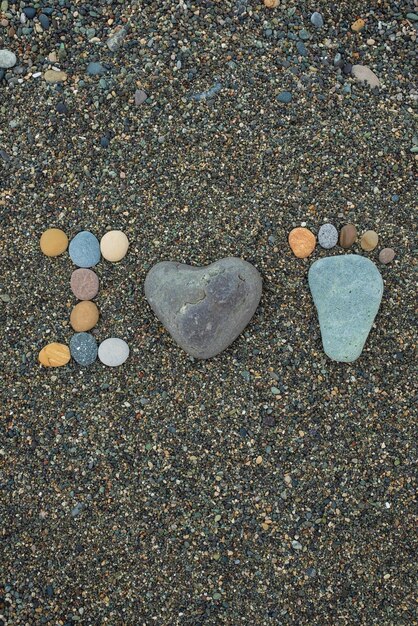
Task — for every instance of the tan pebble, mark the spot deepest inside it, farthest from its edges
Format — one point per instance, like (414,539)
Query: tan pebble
(84,316)
(114,245)
(54,242)
(302,242)
(54,355)
(386,255)
(52,76)
(358,25)
(271,4)
(370,42)
(348,235)
(369,240)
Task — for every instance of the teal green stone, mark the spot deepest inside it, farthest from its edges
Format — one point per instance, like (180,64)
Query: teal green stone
(347,291)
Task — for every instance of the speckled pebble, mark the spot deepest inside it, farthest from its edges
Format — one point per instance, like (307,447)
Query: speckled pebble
(113,352)
(84,249)
(7,59)
(302,242)
(84,284)
(83,348)
(327,236)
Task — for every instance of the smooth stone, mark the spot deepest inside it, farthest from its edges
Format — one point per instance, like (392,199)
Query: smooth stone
(84,284)
(386,255)
(116,39)
(140,97)
(114,245)
(7,59)
(301,48)
(204,308)
(347,291)
(54,355)
(95,69)
(285,97)
(61,107)
(364,74)
(30,12)
(348,235)
(53,242)
(84,249)
(317,20)
(84,316)
(369,240)
(54,76)
(412,16)
(44,21)
(113,352)
(302,242)
(358,25)
(327,236)
(83,348)
(271,4)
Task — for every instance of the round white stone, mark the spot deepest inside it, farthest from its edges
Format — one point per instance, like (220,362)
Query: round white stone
(114,245)
(7,59)
(113,352)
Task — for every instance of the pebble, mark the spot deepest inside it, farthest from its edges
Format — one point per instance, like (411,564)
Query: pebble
(317,20)
(30,12)
(369,240)
(84,316)
(285,97)
(53,242)
(116,39)
(83,348)
(358,25)
(85,249)
(54,355)
(301,48)
(44,21)
(364,74)
(386,255)
(140,97)
(412,16)
(347,291)
(61,108)
(302,242)
(271,4)
(84,284)
(327,236)
(95,69)
(54,76)
(113,352)
(114,245)
(348,235)
(204,308)
(7,59)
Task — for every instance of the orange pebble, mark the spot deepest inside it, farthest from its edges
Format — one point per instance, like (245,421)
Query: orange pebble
(54,355)
(302,242)
(84,316)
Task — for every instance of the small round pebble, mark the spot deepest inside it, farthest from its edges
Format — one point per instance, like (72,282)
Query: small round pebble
(53,242)
(114,245)
(317,20)
(54,355)
(386,255)
(348,235)
(271,4)
(84,316)
(369,240)
(302,241)
(84,284)
(85,249)
(83,348)
(7,59)
(285,97)
(113,351)
(327,236)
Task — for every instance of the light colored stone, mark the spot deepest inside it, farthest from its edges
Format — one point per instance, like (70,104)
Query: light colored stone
(369,240)
(54,355)
(84,316)
(327,236)
(84,284)
(364,74)
(114,245)
(302,242)
(358,25)
(347,291)
(7,59)
(52,76)
(386,255)
(84,249)
(271,4)
(113,352)
(53,242)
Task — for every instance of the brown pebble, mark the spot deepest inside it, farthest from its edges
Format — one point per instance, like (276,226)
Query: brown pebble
(84,284)
(358,25)
(302,242)
(386,255)
(54,355)
(53,242)
(369,240)
(348,235)
(271,4)
(84,316)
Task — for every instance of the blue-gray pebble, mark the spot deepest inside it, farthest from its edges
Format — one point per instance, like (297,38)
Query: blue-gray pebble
(83,348)
(327,236)
(95,69)
(317,20)
(44,21)
(84,249)
(347,291)
(285,97)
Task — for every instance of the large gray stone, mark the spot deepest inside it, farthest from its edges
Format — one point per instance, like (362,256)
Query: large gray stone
(204,308)
(347,291)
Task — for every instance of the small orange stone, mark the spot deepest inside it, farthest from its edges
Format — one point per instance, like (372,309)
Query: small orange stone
(302,242)
(358,25)
(271,4)
(53,242)
(54,355)
(84,316)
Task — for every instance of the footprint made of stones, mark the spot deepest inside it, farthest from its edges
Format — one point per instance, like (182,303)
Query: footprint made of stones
(204,308)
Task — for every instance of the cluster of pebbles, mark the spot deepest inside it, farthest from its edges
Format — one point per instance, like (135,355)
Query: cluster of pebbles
(85,252)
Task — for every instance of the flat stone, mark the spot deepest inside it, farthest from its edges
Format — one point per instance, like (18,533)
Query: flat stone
(84,284)
(364,74)
(285,97)
(358,25)
(327,236)
(44,21)
(302,241)
(386,255)
(30,12)
(95,69)
(317,20)
(114,245)
(348,235)
(116,39)
(271,4)
(204,308)
(53,242)
(347,291)
(7,59)
(54,76)
(113,352)
(83,348)
(140,97)
(84,249)
(54,355)
(84,316)
(369,240)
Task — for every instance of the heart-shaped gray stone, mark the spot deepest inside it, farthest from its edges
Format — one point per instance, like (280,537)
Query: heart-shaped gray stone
(204,308)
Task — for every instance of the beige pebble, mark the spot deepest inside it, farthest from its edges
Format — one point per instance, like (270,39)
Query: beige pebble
(84,316)
(271,4)
(114,245)
(302,242)
(370,42)
(53,242)
(358,25)
(54,355)
(386,255)
(369,240)
(52,76)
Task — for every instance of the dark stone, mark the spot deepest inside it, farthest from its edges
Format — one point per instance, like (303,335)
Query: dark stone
(44,21)
(30,12)
(61,107)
